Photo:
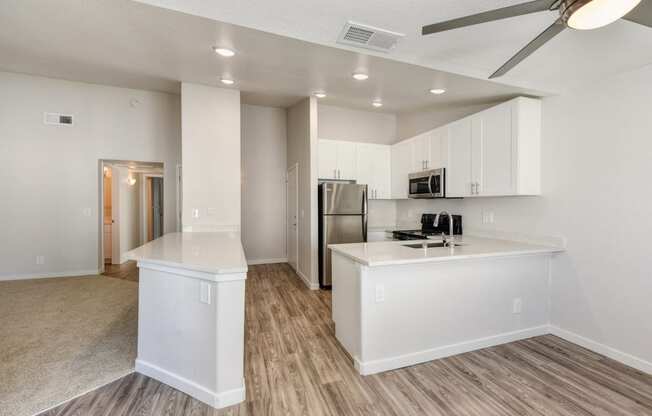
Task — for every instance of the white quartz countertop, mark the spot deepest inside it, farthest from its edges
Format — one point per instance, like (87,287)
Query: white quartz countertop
(210,252)
(386,253)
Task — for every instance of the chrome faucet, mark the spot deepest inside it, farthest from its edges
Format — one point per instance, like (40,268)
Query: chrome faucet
(451,242)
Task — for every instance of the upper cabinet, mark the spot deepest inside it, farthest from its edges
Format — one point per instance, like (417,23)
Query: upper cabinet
(496,152)
(337,160)
(492,153)
(402,165)
(373,169)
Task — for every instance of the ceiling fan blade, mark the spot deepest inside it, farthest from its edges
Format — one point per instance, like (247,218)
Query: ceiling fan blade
(552,31)
(642,14)
(490,16)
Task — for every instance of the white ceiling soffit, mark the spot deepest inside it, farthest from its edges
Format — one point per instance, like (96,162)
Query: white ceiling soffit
(570,60)
(130,44)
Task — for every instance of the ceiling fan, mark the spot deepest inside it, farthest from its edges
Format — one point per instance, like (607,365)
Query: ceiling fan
(576,14)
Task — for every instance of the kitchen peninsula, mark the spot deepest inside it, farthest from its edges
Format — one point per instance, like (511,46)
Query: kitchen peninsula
(191,314)
(397,303)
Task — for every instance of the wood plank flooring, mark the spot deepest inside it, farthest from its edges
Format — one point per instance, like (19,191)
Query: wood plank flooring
(294,366)
(126,271)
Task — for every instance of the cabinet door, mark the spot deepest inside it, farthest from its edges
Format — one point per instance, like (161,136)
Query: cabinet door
(459,173)
(420,152)
(365,166)
(327,159)
(438,148)
(383,173)
(401,167)
(498,152)
(346,158)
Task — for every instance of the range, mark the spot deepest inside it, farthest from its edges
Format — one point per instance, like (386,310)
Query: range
(429,228)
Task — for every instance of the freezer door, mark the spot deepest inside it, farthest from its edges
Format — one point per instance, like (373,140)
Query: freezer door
(343,199)
(339,229)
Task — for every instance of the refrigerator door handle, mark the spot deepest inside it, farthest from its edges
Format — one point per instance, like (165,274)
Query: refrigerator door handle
(364,202)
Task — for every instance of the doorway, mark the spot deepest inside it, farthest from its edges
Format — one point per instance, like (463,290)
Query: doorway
(132,204)
(153,206)
(292,221)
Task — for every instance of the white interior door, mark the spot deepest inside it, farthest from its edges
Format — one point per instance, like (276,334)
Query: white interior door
(293,217)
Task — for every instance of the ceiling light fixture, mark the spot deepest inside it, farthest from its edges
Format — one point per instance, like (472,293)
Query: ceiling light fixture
(592,14)
(320,94)
(360,76)
(227,81)
(437,91)
(225,52)
(377,104)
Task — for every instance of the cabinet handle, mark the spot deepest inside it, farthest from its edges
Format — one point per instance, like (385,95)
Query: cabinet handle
(334,173)
(427,162)
(477,188)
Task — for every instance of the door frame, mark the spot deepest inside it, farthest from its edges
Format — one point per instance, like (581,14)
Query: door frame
(295,203)
(100,217)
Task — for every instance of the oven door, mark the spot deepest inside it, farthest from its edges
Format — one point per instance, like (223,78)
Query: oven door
(429,184)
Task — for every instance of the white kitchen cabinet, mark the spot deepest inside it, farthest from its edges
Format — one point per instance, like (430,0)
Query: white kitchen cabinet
(346,159)
(438,157)
(459,169)
(336,160)
(420,152)
(402,163)
(374,169)
(496,152)
(327,159)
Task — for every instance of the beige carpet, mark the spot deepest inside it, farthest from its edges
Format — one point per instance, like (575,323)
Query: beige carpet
(62,337)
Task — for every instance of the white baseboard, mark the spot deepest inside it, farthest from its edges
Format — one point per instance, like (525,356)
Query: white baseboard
(620,356)
(306,281)
(217,400)
(391,363)
(267,261)
(74,273)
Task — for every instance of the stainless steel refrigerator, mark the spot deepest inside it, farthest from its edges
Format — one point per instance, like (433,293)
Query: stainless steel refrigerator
(342,219)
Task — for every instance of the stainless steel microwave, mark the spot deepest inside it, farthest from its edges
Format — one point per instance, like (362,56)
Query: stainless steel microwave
(427,184)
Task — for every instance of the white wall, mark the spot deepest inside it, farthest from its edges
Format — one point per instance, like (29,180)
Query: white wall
(596,192)
(412,123)
(210,130)
(49,175)
(596,154)
(339,123)
(264,166)
(128,210)
(302,150)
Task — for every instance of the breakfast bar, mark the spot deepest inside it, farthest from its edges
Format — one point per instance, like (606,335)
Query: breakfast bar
(191,314)
(400,303)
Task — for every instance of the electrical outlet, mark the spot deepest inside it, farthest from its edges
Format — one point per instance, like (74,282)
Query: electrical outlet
(40,259)
(491,217)
(380,293)
(517,306)
(86,212)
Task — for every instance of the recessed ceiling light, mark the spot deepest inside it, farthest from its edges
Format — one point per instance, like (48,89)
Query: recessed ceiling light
(227,81)
(437,91)
(360,76)
(377,103)
(320,94)
(226,52)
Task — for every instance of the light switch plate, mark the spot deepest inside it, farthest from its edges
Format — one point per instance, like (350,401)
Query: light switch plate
(380,293)
(40,259)
(517,306)
(195,213)
(205,292)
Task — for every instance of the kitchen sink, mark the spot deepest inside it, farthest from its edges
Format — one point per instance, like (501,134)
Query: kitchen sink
(429,245)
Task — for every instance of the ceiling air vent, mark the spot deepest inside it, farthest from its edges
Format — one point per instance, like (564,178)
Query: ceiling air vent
(58,119)
(369,37)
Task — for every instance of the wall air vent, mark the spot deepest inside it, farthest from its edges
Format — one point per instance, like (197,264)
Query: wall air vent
(58,119)
(368,37)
